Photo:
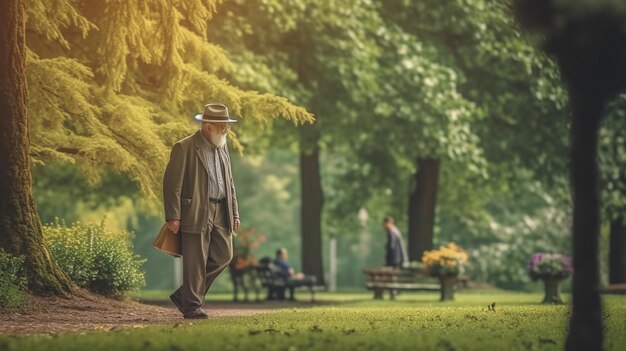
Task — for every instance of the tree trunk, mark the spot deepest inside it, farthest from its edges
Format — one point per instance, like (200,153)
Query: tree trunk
(617,252)
(20,228)
(422,205)
(585,332)
(312,203)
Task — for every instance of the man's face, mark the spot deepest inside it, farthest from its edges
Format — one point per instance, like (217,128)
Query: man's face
(216,132)
(219,127)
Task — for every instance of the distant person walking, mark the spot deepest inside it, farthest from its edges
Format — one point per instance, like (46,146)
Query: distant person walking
(395,252)
(201,205)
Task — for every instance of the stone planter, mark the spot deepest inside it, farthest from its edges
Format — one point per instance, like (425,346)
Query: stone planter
(552,289)
(448,286)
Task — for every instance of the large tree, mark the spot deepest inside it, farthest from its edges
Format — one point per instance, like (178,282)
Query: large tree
(20,228)
(415,120)
(588,40)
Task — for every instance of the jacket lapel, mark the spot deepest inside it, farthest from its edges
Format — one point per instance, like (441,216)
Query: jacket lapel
(197,144)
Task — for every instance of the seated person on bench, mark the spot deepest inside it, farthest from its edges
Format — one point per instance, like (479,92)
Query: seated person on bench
(291,277)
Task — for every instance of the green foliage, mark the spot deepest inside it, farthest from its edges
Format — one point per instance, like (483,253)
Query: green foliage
(458,82)
(94,258)
(317,53)
(268,189)
(612,160)
(12,281)
(52,20)
(61,190)
(515,224)
(517,91)
(414,321)
(419,107)
(114,84)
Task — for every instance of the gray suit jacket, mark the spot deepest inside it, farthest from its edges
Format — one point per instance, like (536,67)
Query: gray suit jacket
(395,255)
(186,182)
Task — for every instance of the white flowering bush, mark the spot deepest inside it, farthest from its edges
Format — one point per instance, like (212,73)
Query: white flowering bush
(500,243)
(94,258)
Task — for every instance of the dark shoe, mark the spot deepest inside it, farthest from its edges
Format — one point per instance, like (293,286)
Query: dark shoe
(196,314)
(176,301)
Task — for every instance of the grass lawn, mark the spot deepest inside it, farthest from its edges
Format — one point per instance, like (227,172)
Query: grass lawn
(355,322)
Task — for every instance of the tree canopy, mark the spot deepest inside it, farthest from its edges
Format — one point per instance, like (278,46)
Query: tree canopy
(114,84)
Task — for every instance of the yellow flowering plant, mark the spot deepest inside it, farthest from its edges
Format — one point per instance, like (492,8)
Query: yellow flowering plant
(447,260)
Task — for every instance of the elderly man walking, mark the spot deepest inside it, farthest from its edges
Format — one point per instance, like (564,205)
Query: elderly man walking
(201,205)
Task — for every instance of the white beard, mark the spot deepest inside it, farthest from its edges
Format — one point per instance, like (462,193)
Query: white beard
(218,138)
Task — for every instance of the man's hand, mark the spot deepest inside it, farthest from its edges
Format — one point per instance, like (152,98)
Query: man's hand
(173,225)
(236,223)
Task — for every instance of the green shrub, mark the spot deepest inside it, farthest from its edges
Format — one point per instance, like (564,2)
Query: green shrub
(12,280)
(94,258)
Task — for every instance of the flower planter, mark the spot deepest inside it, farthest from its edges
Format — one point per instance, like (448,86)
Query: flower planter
(552,289)
(448,286)
(446,264)
(551,268)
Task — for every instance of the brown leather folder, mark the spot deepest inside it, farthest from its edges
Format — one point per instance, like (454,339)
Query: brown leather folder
(169,242)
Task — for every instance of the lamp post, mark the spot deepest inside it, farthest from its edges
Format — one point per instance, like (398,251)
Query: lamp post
(332,264)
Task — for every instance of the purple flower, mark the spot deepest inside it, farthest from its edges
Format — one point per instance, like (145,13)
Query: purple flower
(543,264)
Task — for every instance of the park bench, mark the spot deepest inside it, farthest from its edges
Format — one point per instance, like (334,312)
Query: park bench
(614,289)
(265,275)
(412,279)
(277,285)
(245,279)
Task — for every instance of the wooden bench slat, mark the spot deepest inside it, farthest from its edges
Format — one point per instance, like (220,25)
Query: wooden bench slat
(403,279)
(403,286)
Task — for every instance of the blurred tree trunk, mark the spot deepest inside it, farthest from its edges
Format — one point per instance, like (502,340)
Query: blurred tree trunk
(617,252)
(422,206)
(312,203)
(589,42)
(20,228)
(585,332)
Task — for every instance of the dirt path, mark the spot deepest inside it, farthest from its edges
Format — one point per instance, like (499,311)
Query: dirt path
(85,311)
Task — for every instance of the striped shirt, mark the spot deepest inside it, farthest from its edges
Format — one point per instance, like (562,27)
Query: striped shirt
(217,189)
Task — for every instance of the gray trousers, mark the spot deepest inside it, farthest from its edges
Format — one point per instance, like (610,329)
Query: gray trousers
(205,256)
